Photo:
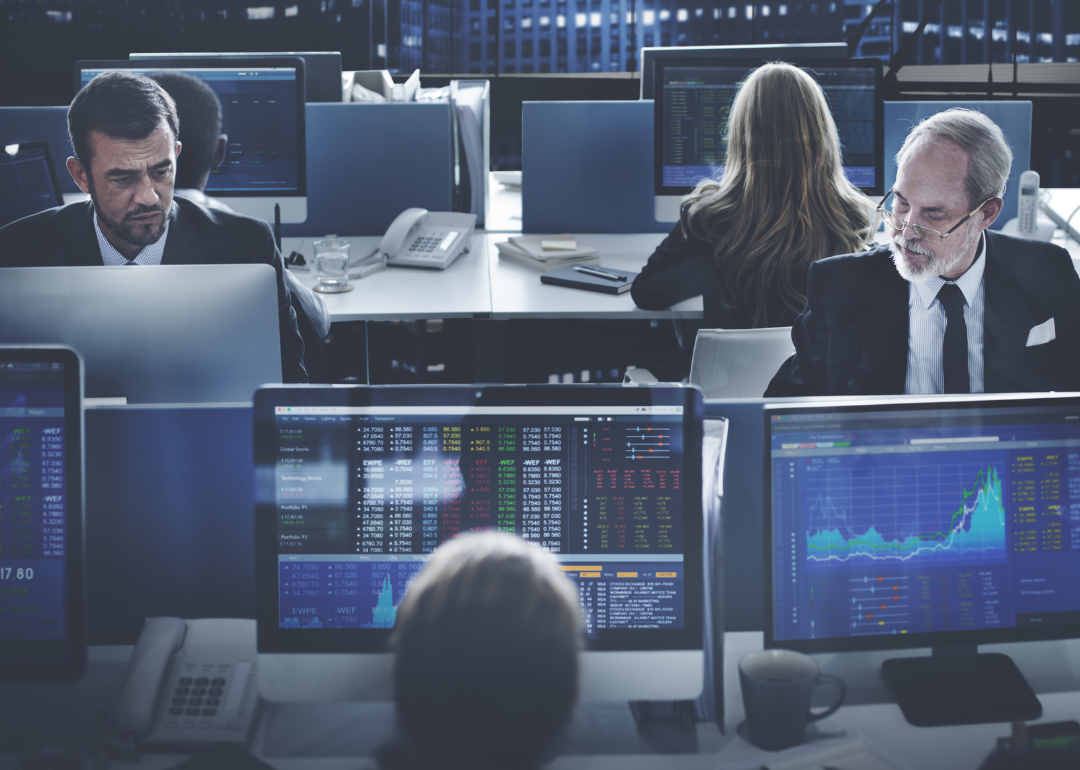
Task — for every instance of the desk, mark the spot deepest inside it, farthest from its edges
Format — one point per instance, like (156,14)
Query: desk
(1052,668)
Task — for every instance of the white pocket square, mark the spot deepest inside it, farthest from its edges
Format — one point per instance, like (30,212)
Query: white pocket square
(1041,334)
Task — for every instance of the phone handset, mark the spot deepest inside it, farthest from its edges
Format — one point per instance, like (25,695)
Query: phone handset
(400,229)
(160,639)
(1028,207)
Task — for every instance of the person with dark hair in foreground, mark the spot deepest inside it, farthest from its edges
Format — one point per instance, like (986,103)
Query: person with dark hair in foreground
(124,130)
(486,657)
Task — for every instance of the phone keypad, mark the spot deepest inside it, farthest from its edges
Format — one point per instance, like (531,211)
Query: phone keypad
(202,699)
(425,244)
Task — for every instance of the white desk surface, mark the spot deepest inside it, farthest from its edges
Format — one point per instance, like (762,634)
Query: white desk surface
(1052,668)
(516,291)
(402,293)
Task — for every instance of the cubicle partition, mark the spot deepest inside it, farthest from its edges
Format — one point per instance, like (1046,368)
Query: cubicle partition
(587,166)
(169,516)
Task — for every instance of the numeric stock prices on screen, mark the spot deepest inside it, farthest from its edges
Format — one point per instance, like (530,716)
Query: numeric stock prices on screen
(362,499)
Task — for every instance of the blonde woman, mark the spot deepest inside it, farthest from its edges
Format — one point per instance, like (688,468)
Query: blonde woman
(485,658)
(745,241)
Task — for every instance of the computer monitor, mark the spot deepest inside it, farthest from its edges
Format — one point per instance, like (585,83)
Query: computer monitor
(690,120)
(799,51)
(164,334)
(322,79)
(945,523)
(356,486)
(262,110)
(42,636)
(28,181)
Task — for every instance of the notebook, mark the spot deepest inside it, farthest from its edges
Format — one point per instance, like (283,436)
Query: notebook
(577,279)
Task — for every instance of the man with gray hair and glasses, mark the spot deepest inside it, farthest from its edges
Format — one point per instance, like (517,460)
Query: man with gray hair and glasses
(948,306)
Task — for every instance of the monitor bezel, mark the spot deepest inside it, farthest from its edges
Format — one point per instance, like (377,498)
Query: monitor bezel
(273,639)
(968,638)
(74,644)
(185,63)
(660,62)
(58,194)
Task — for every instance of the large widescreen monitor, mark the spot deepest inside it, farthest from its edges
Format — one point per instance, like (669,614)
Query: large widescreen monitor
(691,106)
(42,636)
(942,523)
(262,107)
(355,487)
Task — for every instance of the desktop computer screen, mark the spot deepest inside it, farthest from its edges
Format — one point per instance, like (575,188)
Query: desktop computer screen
(262,105)
(41,514)
(356,487)
(693,97)
(922,523)
(28,182)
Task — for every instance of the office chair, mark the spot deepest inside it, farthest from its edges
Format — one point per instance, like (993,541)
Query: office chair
(738,363)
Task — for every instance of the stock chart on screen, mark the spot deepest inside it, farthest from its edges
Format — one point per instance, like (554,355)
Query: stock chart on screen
(909,521)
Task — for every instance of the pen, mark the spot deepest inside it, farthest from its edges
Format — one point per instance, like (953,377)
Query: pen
(599,273)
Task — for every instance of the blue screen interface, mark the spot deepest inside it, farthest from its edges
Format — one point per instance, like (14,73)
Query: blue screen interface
(33,502)
(697,101)
(259,115)
(26,186)
(364,494)
(924,521)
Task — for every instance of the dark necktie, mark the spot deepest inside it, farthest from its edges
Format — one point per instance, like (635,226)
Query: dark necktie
(955,347)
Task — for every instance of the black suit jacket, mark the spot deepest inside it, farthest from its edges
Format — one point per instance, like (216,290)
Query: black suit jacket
(852,337)
(65,236)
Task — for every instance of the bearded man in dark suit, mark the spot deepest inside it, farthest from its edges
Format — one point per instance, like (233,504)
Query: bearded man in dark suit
(949,306)
(124,132)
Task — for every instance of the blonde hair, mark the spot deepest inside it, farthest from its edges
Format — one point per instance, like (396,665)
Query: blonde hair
(783,201)
(486,652)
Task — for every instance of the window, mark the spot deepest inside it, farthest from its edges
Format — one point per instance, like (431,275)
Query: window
(509,49)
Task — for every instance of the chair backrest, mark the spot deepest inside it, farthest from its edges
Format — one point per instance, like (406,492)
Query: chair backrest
(738,363)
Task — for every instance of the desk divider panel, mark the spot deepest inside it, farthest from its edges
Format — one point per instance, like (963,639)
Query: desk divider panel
(41,124)
(586,167)
(170,516)
(1014,119)
(366,163)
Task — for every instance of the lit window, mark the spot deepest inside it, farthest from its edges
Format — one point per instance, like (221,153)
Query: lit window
(933,29)
(357,3)
(1021,34)
(594,19)
(1046,38)
(545,22)
(380,50)
(682,15)
(1073,39)
(832,7)
(977,32)
(955,31)
(265,12)
(526,23)
(749,13)
(292,10)
(650,18)
(782,10)
(579,20)
(731,12)
(764,10)
(716,13)
(665,15)
(560,21)
(699,12)
(60,17)
(629,17)
(910,26)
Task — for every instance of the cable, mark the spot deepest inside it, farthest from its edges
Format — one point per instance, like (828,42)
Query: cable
(1066,227)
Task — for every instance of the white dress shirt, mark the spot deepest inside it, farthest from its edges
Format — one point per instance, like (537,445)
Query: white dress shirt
(150,255)
(926,329)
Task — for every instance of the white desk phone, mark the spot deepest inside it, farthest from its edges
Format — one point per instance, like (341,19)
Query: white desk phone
(191,683)
(419,238)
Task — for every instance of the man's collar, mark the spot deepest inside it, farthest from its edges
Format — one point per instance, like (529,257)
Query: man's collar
(968,283)
(149,255)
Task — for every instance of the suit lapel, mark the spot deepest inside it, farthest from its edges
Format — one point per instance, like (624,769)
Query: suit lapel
(180,246)
(82,243)
(1010,312)
(883,333)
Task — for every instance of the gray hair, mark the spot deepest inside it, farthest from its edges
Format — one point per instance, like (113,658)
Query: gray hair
(989,156)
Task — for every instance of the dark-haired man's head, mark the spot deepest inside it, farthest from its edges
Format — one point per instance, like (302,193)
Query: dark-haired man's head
(199,111)
(124,130)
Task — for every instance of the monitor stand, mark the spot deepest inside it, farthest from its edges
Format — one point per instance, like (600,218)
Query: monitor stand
(959,686)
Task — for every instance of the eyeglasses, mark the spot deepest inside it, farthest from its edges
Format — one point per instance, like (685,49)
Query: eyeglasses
(925,233)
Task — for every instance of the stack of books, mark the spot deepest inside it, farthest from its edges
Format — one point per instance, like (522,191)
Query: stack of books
(547,252)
